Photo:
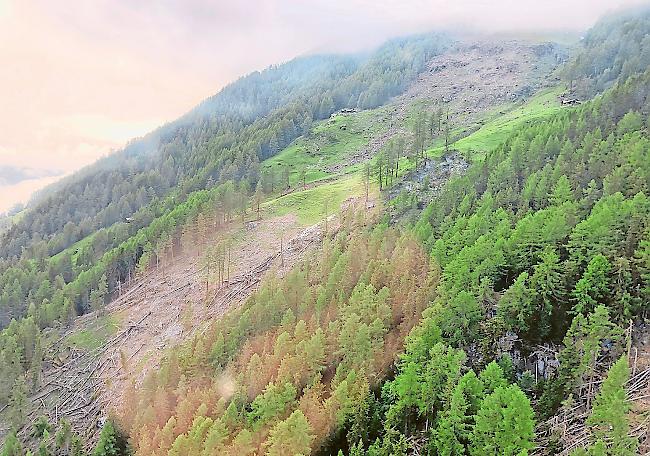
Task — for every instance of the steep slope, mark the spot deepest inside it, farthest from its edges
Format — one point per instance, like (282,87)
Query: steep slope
(222,140)
(88,273)
(328,145)
(505,304)
(165,306)
(524,231)
(317,161)
(467,83)
(548,227)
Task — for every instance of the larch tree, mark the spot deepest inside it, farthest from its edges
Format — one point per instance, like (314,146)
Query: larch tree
(290,437)
(504,424)
(380,165)
(492,378)
(242,444)
(258,197)
(63,437)
(515,306)
(447,131)
(450,436)
(302,177)
(187,237)
(111,442)
(98,295)
(547,281)
(593,288)
(286,174)
(18,402)
(608,423)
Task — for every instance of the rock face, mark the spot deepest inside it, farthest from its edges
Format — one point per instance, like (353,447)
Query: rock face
(429,179)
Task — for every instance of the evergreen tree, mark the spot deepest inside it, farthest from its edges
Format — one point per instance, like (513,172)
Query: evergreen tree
(608,423)
(548,283)
(18,402)
(290,437)
(452,433)
(257,199)
(504,424)
(516,305)
(12,446)
(593,288)
(63,437)
(111,442)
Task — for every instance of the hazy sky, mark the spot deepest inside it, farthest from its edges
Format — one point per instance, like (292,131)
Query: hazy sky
(81,77)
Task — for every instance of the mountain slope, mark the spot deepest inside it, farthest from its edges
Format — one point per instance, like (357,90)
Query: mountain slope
(514,249)
(220,204)
(471,327)
(154,175)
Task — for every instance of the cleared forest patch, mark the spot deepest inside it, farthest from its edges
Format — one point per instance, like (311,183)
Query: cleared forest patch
(94,362)
(473,84)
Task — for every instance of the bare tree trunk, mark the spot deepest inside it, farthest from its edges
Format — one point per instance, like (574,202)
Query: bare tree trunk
(207,281)
(282,250)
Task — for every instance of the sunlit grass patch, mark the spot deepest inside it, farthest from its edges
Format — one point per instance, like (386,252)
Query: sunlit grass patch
(96,334)
(309,205)
(502,123)
(328,143)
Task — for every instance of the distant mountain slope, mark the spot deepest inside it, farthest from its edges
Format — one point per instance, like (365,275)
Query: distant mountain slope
(10,175)
(617,46)
(222,140)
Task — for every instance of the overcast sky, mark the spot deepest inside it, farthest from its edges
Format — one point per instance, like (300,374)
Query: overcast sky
(81,77)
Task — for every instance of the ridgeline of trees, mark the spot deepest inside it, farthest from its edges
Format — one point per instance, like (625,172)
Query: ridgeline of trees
(616,47)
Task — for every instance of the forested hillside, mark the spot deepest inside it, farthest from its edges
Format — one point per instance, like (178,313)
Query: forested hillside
(616,47)
(483,288)
(89,236)
(546,241)
(222,140)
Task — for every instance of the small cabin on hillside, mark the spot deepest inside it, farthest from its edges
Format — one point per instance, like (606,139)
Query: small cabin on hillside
(568,100)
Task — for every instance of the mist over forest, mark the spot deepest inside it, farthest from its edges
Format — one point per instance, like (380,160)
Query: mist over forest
(421,229)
